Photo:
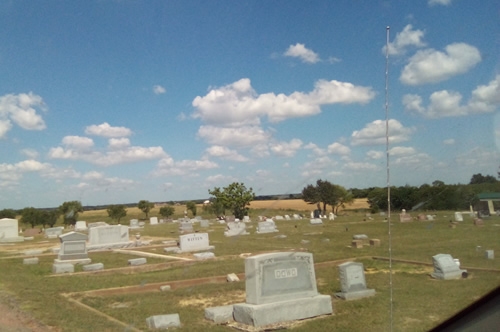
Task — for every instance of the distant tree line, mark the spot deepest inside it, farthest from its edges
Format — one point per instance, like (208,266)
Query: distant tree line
(436,196)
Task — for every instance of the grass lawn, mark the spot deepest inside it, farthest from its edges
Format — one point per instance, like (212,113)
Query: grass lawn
(81,301)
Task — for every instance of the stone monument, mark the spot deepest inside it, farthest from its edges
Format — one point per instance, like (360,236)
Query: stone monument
(353,282)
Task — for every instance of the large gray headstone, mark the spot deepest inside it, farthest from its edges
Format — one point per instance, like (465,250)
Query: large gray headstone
(235,229)
(54,232)
(73,248)
(446,268)
(280,276)
(266,227)
(108,234)
(194,242)
(353,282)
(280,287)
(9,230)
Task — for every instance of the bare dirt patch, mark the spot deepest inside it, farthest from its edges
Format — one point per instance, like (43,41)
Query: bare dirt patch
(220,300)
(13,319)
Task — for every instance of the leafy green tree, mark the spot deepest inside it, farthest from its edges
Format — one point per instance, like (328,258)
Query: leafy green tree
(235,197)
(8,213)
(479,178)
(49,218)
(167,211)
(70,211)
(117,212)
(326,193)
(145,206)
(31,216)
(191,206)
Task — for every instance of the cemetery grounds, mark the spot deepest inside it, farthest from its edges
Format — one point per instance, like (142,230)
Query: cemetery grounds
(121,297)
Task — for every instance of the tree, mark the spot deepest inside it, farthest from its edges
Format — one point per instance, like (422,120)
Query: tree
(167,211)
(326,193)
(191,206)
(8,213)
(235,197)
(117,212)
(70,211)
(49,218)
(479,178)
(31,216)
(145,206)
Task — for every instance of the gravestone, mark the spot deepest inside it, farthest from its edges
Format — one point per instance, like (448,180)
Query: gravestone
(331,216)
(204,255)
(63,268)
(31,261)
(279,218)
(73,249)
(81,226)
(287,217)
(375,242)
(137,261)
(403,217)
(230,218)
(235,229)
(194,242)
(134,224)
(108,237)
(280,287)
(445,268)
(358,244)
(204,223)
(97,224)
(266,227)
(297,217)
(489,254)
(353,282)
(430,217)
(153,221)
(246,219)
(9,230)
(360,237)
(93,267)
(316,221)
(163,321)
(54,232)
(186,227)
(478,222)
(458,216)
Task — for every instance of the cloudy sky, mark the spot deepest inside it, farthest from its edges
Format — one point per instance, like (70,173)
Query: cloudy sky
(116,101)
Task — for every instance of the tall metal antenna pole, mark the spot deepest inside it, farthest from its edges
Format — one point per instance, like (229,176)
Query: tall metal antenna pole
(388,173)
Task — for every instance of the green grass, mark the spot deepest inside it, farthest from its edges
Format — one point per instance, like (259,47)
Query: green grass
(419,302)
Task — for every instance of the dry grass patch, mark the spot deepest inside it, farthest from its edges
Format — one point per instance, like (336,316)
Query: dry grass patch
(301,205)
(226,298)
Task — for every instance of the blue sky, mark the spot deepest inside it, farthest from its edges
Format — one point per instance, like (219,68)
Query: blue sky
(117,101)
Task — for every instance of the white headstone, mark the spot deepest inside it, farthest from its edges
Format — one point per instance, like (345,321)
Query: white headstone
(153,221)
(108,234)
(194,242)
(81,226)
(353,282)
(9,230)
(458,216)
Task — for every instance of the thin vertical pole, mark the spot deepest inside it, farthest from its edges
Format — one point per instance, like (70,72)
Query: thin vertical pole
(388,172)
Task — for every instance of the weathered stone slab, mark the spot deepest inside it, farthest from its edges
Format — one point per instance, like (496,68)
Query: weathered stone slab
(9,230)
(163,321)
(266,227)
(93,267)
(445,268)
(316,221)
(63,268)
(283,311)
(358,244)
(375,242)
(31,261)
(81,226)
(33,252)
(360,237)
(204,255)
(218,315)
(489,254)
(137,261)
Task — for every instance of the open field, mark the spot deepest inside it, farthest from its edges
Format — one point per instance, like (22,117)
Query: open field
(120,298)
(300,205)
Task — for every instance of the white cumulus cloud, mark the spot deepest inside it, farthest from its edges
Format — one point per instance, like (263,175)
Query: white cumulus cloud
(404,39)
(337,148)
(158,90)
(439,2)
(286,149)
(484,99)
(374,133)
(431,66)
(240,137)
(21,109)
(300,51)
(225,153)
(238,104)
(106,130)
